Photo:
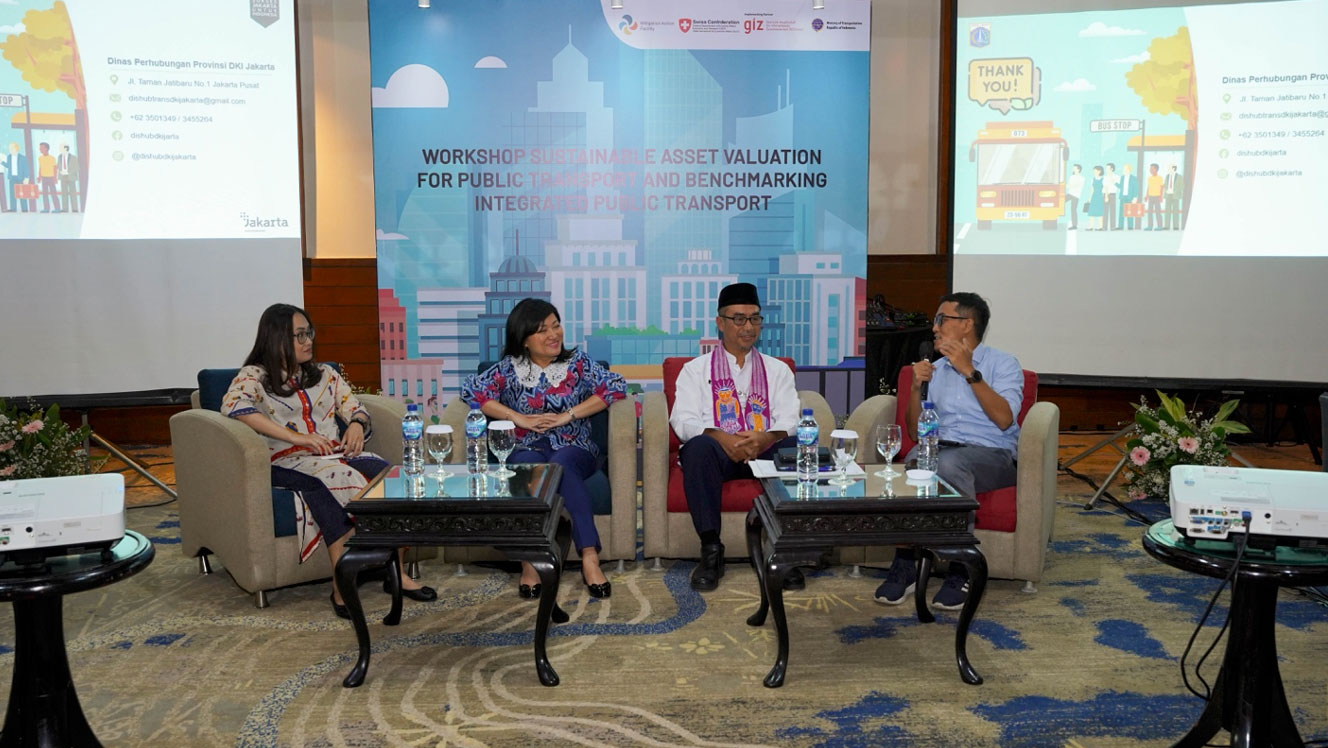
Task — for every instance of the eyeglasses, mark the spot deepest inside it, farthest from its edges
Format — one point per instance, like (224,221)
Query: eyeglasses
(304,336)
(940,319)
(740,320)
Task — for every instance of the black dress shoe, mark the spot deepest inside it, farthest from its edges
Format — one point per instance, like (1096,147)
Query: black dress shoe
(341,610)
(528,591)
(711,567)
(597,590)
(794,580)
(423,594)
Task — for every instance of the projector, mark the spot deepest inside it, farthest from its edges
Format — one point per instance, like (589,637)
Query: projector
(1273,507)
(44,517)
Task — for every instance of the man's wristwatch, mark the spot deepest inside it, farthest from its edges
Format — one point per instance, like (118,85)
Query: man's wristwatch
(974,378)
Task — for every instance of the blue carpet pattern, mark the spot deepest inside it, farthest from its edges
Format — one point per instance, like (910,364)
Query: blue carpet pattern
(170,657)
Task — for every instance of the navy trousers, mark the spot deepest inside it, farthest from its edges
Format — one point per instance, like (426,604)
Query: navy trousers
(331,517)
(578,465)
(705,468)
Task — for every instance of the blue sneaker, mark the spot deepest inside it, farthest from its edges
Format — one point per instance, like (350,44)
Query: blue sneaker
(900,581)
(952,594)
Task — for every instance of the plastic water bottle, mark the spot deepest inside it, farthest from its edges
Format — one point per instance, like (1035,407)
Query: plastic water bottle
(412,447)
(929,437)
(477,440)
(809,464)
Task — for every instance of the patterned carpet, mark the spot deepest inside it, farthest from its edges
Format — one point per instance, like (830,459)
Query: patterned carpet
(173,658)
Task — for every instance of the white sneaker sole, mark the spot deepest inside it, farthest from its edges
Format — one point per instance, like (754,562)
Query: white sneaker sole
(908,592)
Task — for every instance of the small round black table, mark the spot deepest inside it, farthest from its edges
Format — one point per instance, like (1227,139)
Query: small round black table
(43,707)
(1247,699)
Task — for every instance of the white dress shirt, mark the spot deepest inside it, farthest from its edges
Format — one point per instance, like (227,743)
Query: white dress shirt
(694,405)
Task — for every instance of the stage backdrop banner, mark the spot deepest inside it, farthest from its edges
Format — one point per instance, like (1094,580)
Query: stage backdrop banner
(622,164)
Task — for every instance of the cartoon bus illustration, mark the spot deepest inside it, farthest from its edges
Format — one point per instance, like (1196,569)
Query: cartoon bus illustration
(1021,173)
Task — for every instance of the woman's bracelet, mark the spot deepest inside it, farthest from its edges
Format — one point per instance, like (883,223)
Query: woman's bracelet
(572,412)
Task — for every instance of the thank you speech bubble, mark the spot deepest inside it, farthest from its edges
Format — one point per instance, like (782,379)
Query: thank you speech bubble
(1005,83)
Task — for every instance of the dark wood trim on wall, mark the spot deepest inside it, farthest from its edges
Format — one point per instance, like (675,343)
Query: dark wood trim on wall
(341,296)
(945,137)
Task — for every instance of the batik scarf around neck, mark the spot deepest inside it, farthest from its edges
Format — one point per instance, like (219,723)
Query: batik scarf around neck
(730,415)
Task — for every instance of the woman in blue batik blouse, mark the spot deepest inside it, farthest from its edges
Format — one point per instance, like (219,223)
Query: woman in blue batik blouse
(549,392)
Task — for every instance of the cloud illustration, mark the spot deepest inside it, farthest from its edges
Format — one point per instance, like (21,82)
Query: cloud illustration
(1132,59)
(389,235)
(17,28)
(1075,86)
(1098,28)
(490,62)
(413,86)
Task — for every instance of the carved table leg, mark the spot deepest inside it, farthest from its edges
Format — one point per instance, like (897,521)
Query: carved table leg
(773,589)
(353,561)
(393,616)
(923,576)
(548,563)
(976,564)
(754,530)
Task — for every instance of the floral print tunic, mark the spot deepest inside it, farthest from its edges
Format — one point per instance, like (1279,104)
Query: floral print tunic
(526,388)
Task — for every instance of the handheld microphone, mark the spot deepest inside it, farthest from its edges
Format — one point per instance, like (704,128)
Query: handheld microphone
(924,351)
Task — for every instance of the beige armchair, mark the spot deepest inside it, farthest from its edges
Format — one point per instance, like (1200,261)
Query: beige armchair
(666,523)
(227,507)
(614,431)
(1014,525)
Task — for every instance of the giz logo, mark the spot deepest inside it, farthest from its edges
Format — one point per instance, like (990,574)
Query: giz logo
(752,24)
(684,25)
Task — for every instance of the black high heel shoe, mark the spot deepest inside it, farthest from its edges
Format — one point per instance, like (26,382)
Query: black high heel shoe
(341,610)
(597,590)
(423,594)
(528,591)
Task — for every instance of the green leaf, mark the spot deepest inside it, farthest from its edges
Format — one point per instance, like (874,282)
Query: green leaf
(1231,427)
(1173,406)
(1227,409)
(1148,423)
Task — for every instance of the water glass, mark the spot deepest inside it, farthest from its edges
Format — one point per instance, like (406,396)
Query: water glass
(502,441)
(889,437)
(844,447)
(438,441)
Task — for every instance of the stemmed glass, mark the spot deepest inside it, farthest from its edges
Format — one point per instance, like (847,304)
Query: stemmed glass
(502,441)
(888,439)
(438,440)
(844,446)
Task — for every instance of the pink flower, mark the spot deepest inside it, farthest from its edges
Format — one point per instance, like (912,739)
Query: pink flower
(8,471)
(1139,456)
(32,427)
(1188,444)
(6,446)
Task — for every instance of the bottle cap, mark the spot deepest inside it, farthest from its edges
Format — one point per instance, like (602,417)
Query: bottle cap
(412,407)
(474,405)
(927,404)
(807,411)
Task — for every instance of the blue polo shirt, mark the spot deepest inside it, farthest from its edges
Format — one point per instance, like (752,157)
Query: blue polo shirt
(962,417)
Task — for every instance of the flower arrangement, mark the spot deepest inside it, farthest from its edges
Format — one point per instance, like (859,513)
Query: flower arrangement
(1170,435)
(39,445)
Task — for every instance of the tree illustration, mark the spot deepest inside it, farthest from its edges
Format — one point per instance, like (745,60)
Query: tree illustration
(47,57)
(1167,84)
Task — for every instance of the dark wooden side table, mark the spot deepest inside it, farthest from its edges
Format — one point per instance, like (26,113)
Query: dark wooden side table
(791,525)
(43,706)
(520,515)
(1247,699)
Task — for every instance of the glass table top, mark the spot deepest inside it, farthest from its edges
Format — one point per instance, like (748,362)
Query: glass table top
(529,482)
(786,488)
(1164,534)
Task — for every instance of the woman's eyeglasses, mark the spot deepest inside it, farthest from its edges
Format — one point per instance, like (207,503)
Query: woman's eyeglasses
(304,336)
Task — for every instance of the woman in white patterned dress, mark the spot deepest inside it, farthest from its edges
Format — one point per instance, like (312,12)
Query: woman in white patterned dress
(297,411)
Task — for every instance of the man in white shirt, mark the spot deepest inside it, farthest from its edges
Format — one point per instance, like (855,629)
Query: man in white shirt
(1074,189)
(732,405)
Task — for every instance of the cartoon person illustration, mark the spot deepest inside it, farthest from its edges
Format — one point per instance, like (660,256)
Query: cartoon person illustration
(1096,205)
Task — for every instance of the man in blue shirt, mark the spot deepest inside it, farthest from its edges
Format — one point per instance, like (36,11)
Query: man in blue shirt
(977,391)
